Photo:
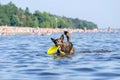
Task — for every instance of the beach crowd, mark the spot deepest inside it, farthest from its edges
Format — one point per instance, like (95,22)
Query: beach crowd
(5,30)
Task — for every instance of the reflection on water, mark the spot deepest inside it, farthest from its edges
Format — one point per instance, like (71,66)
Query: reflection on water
(97,58)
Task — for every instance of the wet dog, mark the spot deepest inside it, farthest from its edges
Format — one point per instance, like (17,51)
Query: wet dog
(65,48)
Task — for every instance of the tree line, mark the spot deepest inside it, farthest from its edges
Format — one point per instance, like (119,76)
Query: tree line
(11,15)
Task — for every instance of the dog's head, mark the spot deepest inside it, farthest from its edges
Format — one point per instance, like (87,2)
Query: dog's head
(59,41)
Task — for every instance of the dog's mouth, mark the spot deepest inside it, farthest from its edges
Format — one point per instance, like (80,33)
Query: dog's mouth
(57,44)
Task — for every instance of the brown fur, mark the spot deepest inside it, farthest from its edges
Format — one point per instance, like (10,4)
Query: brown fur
(65,48)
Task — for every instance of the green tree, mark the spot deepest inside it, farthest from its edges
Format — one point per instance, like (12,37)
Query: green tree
(36,22)
(14,20)
(27,12)
(13,16)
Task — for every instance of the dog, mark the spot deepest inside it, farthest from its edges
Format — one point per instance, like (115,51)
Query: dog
(65,48)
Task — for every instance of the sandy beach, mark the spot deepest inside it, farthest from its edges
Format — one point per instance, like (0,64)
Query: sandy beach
(9,30)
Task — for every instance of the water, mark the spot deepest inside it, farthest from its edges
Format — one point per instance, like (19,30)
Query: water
(22,57)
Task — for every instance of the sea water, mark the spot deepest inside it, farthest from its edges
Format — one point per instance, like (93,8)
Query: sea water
(97,57)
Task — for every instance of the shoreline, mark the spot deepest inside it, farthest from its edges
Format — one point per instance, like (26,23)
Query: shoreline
(10,30)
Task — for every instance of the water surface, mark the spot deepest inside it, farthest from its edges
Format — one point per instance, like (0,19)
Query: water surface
(22,57)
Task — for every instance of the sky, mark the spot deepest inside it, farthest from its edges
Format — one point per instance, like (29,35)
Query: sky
(104,13)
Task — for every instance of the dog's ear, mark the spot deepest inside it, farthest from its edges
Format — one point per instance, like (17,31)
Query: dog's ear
(62,37)
(52,39)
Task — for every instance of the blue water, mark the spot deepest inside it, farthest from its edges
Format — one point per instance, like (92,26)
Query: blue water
(22,57)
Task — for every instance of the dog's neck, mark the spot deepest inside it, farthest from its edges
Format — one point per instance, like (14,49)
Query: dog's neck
(63,47)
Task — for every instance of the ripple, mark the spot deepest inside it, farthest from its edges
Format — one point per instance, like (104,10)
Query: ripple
(107,74)
(49,73)
(84,69)
(115,57)
(40,72)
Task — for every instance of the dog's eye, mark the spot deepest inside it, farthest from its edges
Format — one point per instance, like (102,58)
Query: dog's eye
(59,40)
